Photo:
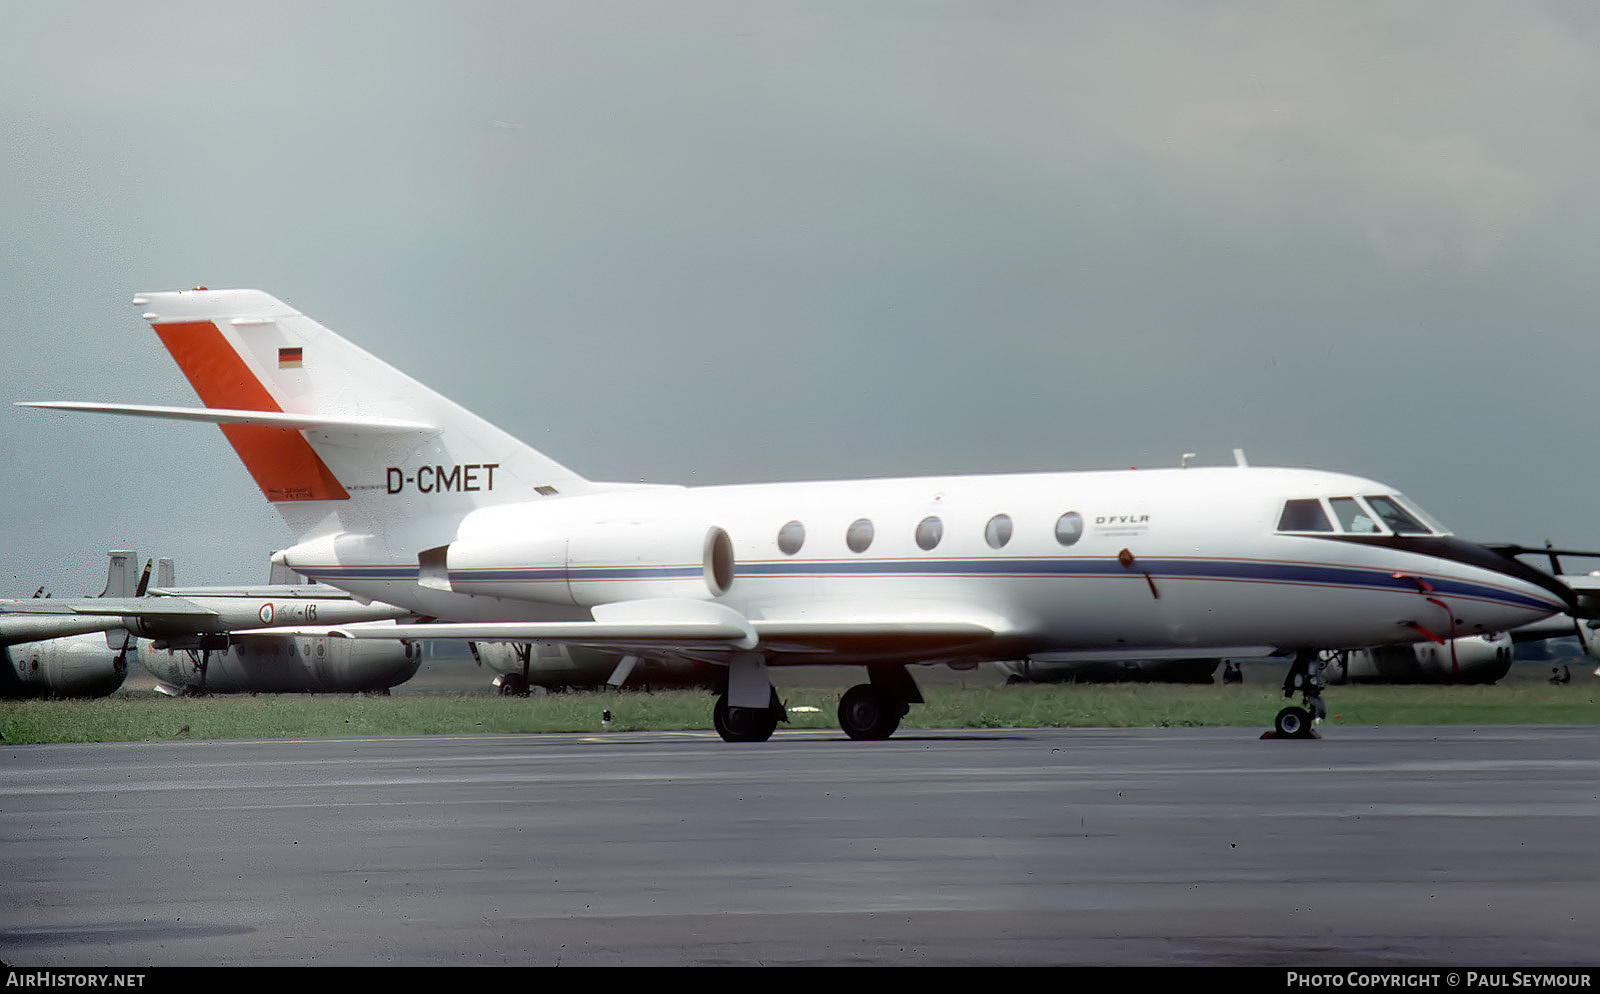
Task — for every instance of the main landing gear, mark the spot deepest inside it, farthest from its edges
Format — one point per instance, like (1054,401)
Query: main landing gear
(873,710)
(866,711)
(1305,677)
(736,724)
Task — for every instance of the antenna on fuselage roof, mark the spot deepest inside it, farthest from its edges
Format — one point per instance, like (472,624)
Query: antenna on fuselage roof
(1239,459)
(1184,462)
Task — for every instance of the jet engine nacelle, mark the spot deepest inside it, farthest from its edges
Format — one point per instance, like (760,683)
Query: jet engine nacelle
(600,563)
(75,666)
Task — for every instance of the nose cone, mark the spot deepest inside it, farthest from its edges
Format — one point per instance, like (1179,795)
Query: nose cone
(1503,587)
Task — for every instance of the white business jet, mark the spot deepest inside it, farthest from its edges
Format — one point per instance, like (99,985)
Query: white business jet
(397,494)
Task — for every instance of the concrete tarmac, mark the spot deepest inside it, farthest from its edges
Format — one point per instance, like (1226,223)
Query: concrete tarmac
(1436,846)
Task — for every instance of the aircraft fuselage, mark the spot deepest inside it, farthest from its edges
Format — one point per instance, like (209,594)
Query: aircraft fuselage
(1059,562)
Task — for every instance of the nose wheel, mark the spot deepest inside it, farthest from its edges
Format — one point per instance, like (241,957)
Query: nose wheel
(1292,723)
(1305,678)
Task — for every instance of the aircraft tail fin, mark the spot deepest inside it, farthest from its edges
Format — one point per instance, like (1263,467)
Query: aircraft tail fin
(121,582)
(336,439)
(120,579)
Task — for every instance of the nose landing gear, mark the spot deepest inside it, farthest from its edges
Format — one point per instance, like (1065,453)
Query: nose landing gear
(1305,677)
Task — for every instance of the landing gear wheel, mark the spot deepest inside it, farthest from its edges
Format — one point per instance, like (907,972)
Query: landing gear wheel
(1304,678)
(1293,723)
(513,685)
(866,712)
(743,724)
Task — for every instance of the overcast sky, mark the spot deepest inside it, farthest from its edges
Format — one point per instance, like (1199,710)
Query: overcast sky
(708,242)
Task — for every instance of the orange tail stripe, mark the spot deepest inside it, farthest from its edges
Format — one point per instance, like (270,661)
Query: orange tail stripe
(280,460)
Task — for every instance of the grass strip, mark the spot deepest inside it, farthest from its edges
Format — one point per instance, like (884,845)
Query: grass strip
(148,716)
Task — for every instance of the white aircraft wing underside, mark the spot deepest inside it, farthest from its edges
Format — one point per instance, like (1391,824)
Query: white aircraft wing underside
(857,636)
(356,629)
(1123,655)
(670,626)
(661,635)
(690,637)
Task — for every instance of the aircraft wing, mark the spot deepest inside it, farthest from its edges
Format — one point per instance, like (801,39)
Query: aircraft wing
(1587,587)
(1124,655)
(899,634)
(872,628)
(16,629)
(39,619)
(149,607)
(1560,626)
(673,625)
(357,630)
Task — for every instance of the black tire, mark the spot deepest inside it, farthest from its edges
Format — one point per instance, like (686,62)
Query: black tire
(1293,723)
(743,724)
(865,712)
(513,685)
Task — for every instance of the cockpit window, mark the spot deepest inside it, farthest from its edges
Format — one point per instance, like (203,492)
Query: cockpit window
(1395,516)
(1411,508)
(1304,516)
(1369,514)
(1353,517)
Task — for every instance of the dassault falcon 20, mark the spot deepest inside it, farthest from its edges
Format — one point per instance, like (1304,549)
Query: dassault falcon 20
(397,494)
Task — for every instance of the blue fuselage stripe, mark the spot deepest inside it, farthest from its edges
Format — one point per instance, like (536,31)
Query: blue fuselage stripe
(1225,570)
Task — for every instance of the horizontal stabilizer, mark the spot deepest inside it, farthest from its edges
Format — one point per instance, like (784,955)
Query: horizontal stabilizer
(259,419)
